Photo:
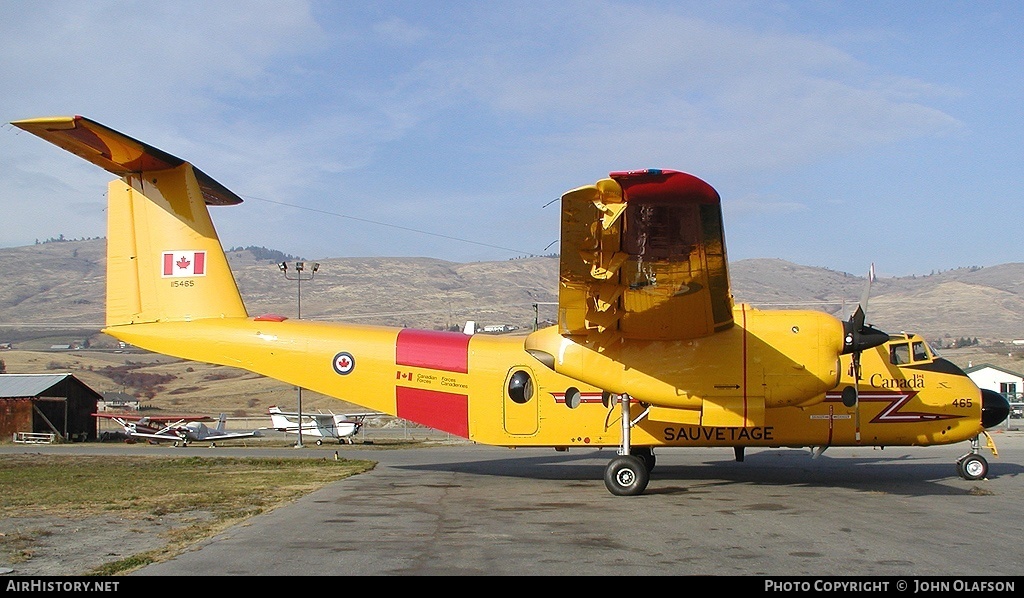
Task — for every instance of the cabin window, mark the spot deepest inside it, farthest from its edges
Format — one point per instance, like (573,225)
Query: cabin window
(920,352)
(899,354)
(520,387)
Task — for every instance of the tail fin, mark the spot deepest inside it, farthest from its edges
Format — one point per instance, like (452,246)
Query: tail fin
(222,422)
(164,259)
(277,419)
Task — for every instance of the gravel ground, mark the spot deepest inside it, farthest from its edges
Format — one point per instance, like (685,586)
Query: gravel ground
(61,546)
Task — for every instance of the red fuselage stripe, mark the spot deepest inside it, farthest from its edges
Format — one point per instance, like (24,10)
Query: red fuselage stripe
(444,411)
(437,350)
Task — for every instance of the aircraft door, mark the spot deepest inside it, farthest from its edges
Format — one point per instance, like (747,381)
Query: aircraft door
(520,411)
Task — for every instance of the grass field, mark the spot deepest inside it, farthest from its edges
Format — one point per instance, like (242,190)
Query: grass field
(199,496)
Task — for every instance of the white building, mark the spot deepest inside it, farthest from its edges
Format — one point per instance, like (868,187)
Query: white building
(1007,383)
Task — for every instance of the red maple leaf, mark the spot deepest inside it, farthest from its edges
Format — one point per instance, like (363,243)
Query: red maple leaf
(183,263)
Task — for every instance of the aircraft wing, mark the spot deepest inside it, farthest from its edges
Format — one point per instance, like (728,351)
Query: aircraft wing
(321,416)
(367,414)
(153,418)
(154,436)
(230,435)
(654,239)
(116,417)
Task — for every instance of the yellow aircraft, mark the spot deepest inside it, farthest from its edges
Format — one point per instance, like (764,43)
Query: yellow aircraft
(649,350)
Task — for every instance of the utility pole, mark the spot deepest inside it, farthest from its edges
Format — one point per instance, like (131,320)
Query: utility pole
(300,275)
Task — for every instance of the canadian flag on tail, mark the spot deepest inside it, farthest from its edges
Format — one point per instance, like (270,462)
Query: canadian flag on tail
(184,263)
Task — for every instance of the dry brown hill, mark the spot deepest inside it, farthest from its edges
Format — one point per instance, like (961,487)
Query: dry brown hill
(55,284)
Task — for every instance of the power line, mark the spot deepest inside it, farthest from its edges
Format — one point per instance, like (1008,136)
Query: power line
(387,224)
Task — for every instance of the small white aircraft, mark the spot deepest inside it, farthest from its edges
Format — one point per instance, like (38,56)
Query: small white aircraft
(340,426)
(182,432)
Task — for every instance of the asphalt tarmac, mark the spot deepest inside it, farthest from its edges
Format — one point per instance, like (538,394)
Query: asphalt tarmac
(473,510)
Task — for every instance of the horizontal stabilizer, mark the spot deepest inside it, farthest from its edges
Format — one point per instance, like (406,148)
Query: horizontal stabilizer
(117,152)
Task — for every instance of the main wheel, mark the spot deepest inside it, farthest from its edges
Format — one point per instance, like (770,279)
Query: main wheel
(972,467)
(626,475)
(319,441)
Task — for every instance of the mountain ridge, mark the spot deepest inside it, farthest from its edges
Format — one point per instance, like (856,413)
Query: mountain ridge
(62,283)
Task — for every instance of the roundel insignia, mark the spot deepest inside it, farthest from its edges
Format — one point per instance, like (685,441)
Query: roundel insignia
(344,363)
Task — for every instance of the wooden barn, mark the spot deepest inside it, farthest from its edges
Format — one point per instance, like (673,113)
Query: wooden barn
(39,407)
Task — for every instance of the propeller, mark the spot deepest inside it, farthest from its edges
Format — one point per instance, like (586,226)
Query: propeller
(858,337)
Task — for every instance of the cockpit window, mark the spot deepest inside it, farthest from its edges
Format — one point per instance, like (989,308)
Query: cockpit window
(904,353)
(899,354)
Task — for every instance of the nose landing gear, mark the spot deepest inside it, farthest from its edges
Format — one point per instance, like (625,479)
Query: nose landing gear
(973,465)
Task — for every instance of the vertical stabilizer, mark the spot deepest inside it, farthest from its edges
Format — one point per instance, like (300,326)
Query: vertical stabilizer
(164,259)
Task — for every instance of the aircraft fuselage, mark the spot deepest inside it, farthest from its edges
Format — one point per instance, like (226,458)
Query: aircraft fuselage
(450,381)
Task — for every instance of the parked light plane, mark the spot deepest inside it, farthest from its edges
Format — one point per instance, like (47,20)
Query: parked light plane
(339,426)
(134,426)
(181,431)
(649,349)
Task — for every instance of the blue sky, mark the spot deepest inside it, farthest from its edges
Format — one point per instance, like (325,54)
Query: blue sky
(837,133)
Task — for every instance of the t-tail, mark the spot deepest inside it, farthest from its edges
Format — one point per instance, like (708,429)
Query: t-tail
(160,238)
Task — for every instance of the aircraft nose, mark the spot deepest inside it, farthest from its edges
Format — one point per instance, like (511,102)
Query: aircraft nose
(994,408)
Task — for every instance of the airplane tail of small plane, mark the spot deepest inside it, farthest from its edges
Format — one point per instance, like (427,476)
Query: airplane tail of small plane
(278,420)
(222,422)
(160,237)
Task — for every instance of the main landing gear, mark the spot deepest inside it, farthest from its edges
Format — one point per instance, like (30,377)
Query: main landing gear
(630,471)
(973,465)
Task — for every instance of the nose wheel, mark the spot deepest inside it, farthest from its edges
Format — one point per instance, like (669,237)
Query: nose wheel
(972,467)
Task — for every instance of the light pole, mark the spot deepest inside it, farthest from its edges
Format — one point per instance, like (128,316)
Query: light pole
(300,268)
